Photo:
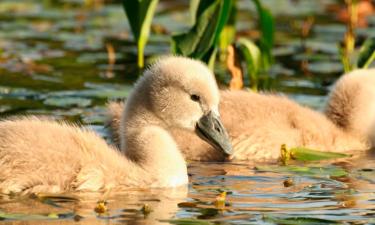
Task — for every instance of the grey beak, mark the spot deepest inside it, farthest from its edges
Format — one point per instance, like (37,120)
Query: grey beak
(211,129)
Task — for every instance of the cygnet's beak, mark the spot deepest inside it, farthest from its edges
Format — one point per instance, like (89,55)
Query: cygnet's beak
(211,129)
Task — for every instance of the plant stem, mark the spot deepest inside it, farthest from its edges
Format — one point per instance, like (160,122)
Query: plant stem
(140,54)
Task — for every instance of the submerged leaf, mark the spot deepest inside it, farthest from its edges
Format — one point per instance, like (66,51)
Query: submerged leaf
(297,220)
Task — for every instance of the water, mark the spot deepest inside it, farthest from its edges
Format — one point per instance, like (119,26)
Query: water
(53,61)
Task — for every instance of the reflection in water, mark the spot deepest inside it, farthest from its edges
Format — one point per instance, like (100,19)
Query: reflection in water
(123,207)
(255,194)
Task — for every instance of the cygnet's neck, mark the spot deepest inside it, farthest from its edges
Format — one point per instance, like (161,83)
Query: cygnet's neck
(147,142)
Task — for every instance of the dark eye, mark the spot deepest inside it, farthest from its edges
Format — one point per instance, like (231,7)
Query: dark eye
(195,98)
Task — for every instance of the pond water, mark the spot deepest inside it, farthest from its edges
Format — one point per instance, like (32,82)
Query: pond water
(54,61)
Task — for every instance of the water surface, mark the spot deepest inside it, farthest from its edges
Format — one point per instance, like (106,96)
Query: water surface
(54,61)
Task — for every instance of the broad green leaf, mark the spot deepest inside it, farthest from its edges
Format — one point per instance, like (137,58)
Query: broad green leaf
(306,154)
(267,28)
(211,17)
(193,10)
(367,53)
(297,220)
(252,56)
(331,171)
(228,34)
(266,23)
(140,14)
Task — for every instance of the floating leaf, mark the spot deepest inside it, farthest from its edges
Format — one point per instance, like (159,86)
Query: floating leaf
(188,221)
(329,171)
(21,216)
(68,102)
(297,220)
(306,154)
(140,14)
(367,53)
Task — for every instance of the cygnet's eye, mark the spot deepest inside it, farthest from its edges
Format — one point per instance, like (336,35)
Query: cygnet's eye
(195,98)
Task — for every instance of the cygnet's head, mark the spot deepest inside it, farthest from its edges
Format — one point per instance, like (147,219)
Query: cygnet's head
(183,93)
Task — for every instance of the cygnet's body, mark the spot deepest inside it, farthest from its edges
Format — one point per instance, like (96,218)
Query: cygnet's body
(39,155)
(259,124)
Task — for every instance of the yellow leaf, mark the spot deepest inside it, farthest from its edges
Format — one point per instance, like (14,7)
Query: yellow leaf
(101,207)
(285,155)
(146,209)
(220,200)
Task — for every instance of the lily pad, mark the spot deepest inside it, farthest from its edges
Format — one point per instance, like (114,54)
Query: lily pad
(329,171)
(188,222)
(298,220)
(68,102)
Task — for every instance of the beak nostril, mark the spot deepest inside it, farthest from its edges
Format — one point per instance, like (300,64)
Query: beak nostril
(218,127)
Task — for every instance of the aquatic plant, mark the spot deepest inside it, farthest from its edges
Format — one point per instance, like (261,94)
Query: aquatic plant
(201,40)
(350,57)
(140,14)
(213,28)
(207,35)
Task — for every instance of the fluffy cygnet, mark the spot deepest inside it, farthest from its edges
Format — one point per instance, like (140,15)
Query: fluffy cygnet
(258,123)
(40,155)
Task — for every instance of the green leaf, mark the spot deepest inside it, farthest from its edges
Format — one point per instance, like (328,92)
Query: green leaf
(267,29)
(193,10)
(306,154)
(331,171)
(21,216)
(68,102)
(140,14)
(211,17)
(297,220)
(367,53)
(188,221)
(252,56)
(266,24)
(228,34)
